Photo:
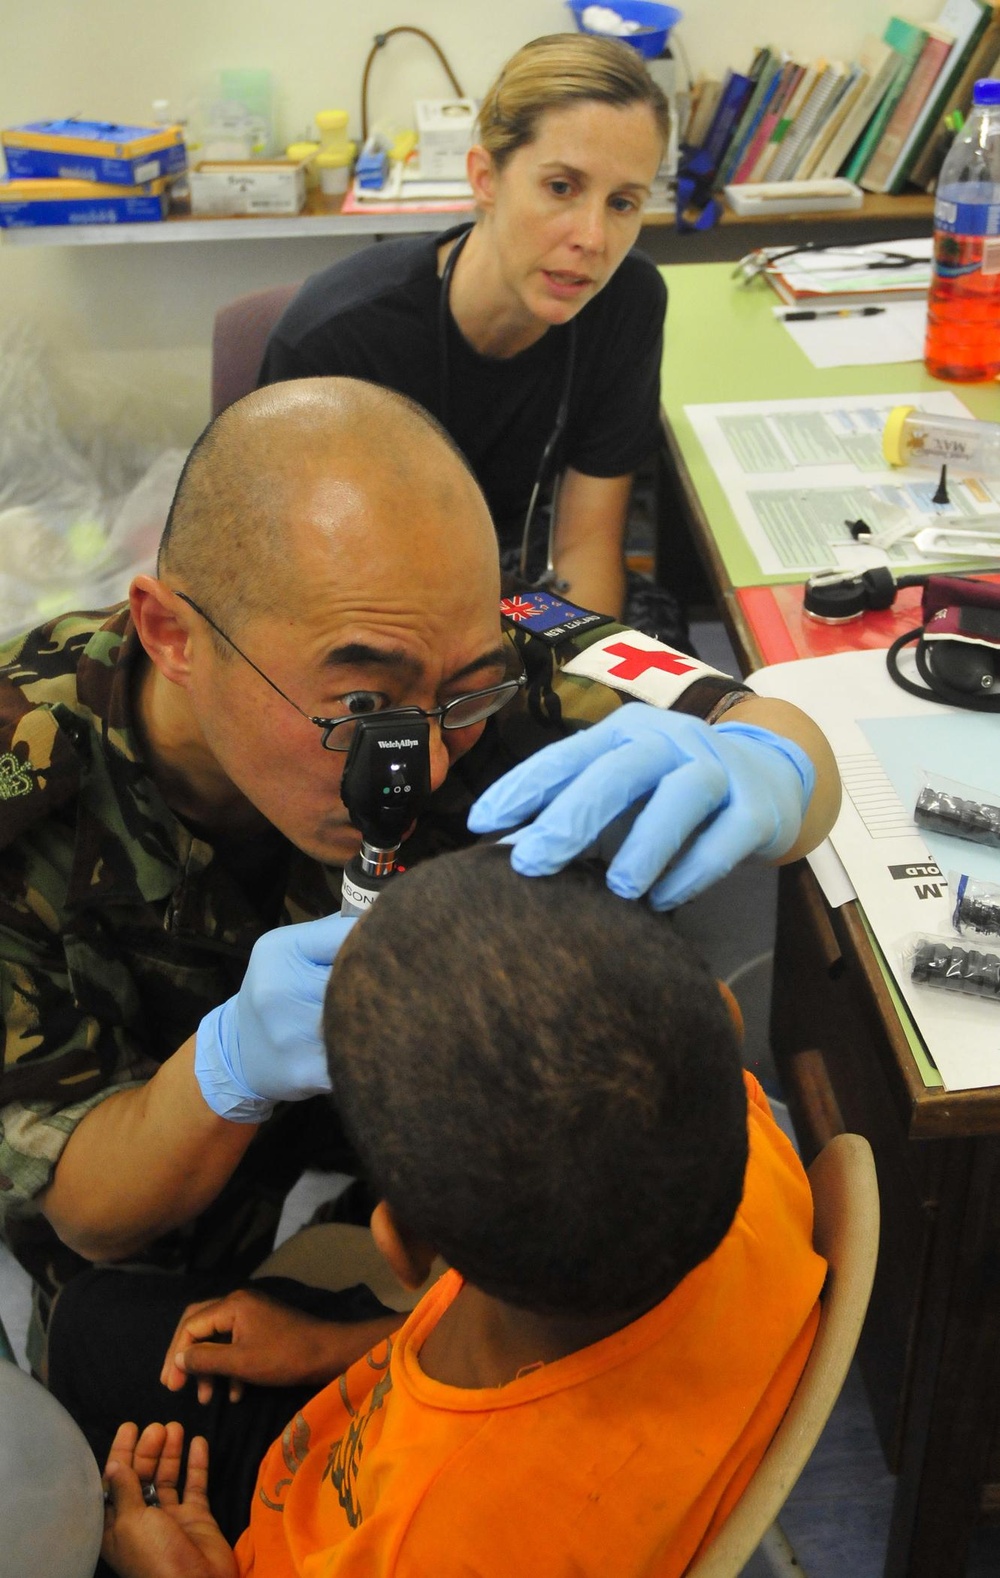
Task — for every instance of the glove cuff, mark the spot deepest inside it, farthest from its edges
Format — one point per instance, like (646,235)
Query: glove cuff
(226,1095)
(787,748)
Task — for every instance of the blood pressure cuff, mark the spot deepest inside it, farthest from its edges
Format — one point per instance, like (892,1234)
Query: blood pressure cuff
(581,665)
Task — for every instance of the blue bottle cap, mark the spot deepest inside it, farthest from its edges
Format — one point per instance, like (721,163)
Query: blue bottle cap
(986,91)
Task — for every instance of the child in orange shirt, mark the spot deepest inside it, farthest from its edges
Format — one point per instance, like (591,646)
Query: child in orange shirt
(545,1087)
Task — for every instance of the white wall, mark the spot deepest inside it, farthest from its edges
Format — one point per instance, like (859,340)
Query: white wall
(142,314)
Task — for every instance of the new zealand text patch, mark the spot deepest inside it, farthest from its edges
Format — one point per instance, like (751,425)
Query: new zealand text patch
(548,616)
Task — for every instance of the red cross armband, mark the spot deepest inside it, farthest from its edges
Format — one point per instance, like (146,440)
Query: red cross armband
(581,649)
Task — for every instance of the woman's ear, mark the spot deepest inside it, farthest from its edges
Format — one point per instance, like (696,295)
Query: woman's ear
(409,1260)
(162,623)
(481,175)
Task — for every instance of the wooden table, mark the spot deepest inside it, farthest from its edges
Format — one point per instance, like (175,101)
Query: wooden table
(930,1352)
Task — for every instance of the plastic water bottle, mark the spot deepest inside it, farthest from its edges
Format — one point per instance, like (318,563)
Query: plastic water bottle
(963,308)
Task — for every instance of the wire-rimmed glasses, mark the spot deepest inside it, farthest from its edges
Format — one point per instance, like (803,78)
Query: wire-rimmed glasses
(463,712)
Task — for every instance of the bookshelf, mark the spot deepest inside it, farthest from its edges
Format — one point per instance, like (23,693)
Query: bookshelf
(321,217)
(879,219)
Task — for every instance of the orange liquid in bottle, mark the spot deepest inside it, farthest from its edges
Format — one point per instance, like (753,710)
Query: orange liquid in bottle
(963,309)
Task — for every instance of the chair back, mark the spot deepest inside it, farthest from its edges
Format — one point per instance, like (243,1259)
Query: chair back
(845,1233)
(239,337)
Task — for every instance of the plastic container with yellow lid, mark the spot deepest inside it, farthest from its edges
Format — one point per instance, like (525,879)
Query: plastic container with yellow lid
(336,152)
(334,172)
(923,438)
(332,128)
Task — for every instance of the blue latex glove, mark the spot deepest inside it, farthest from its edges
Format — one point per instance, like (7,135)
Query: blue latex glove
(746,788)
(266,1043)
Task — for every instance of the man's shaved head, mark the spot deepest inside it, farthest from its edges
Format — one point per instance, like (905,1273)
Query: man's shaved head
(329,533)
(235,532)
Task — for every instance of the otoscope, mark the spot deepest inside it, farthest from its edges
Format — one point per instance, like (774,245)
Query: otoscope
(387,778)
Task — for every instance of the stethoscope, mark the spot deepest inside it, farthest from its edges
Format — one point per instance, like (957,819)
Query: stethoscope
(549,578)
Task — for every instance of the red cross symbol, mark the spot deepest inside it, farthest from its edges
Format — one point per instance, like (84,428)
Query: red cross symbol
(637,660)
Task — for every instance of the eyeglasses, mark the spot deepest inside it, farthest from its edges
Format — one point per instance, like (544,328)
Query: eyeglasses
(462,713)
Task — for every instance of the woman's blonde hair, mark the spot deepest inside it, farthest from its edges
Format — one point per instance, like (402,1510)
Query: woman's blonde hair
(554,72)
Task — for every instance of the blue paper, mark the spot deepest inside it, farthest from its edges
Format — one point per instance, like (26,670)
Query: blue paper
(955,748)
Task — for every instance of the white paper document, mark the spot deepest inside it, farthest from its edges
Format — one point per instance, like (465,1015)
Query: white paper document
(796,471)
(854,272)
(893,334)
(888,745)
(828,869)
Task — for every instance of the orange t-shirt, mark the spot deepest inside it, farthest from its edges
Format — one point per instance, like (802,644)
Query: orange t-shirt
(622,1458)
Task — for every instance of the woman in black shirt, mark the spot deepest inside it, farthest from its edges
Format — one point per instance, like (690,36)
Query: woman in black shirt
(535,335)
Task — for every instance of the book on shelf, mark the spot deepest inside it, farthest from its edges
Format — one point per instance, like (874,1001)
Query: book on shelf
(844,276)
(779,123)
(910,107)
(784,87)
(877,61)
(853,88)
(968,21)
(818,105)
(798,99)
(735,95)
(764,88)
(983,61)
(801,80)
(705,99)
(814,135)
(907,40)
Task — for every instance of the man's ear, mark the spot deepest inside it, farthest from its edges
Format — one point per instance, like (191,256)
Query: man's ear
(163,624)
(481,175)
(409,1260)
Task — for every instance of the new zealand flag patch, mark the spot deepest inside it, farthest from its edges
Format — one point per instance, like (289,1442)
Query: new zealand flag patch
(548,616)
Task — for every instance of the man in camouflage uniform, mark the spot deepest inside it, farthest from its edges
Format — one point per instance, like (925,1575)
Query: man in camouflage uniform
(121,927)
(162,806)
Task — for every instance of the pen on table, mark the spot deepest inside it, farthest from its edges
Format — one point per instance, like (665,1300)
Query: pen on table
(830,312)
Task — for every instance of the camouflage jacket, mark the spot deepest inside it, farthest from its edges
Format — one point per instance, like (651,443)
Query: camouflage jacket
(120,927)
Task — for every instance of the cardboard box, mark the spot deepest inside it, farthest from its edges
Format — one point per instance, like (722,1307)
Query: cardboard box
(248,186)
(444,136)
(24,204)
(99,151)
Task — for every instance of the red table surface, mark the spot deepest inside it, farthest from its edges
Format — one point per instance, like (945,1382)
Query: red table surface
(783,632)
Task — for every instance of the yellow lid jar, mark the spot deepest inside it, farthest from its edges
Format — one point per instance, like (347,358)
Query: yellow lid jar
(332,128)
(336,154)
(305,152)
(334,172)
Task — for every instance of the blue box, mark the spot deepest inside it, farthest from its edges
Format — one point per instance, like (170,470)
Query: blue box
(25,204)
(100,151)
(372,169)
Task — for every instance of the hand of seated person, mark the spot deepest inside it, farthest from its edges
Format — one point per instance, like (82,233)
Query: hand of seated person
(265,1343)
(740,789)
(264,1044)
(180,1536)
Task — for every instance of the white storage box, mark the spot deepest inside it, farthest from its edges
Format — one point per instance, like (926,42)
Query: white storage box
(763,198)
(444,136)
(248,186)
